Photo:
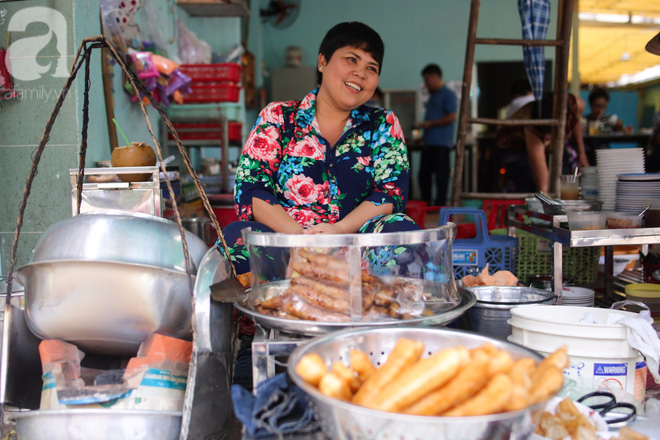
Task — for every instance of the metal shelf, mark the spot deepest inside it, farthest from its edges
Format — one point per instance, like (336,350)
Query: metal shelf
(551,227)
(214,8)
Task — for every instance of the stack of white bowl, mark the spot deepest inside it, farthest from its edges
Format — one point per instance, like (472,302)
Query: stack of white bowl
(589,183)
(578,296)
(611,163)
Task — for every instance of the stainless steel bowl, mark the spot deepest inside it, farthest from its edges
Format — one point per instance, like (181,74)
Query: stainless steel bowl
(490,314)
(340,419)
(572,206)
(99,424)
(105,307)
(121,237)
(106,281)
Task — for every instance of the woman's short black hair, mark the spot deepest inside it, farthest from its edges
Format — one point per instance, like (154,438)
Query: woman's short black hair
(354,34)
(598,93)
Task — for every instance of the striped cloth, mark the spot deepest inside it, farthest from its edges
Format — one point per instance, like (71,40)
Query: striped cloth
(535,18)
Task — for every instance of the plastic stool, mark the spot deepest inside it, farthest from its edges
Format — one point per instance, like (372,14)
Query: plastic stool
(495,211)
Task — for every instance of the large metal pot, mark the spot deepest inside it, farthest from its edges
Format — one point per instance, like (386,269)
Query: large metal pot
(106,281)
(100,424)
(493,308)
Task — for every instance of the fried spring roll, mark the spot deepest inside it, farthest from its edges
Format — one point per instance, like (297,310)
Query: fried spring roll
(319,299)
(333,264)
(274,303)
(308,312)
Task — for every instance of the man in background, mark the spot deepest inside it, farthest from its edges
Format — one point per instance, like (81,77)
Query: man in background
(438,126)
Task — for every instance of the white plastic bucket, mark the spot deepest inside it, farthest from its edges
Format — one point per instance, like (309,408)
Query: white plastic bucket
(600,356)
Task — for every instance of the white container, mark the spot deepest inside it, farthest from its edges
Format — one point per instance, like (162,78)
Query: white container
(600,356)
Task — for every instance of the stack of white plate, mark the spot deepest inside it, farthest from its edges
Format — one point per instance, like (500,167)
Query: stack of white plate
(578,296)
(632,190)
(611,163)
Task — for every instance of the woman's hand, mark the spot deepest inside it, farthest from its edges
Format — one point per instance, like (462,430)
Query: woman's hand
(583,161)
(324,228)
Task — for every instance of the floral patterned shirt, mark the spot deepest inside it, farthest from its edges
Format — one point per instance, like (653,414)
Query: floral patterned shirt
(286,161)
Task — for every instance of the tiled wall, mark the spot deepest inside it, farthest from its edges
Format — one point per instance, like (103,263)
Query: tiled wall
(23,120)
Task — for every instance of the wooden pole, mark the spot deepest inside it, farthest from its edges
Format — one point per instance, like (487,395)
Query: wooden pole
(457,184)
(565,15)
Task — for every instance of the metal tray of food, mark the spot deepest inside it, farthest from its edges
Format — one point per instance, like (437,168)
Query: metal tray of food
(315,328)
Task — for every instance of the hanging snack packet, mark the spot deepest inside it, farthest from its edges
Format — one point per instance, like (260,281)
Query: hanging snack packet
(164,65)
(178,81)
(144,65)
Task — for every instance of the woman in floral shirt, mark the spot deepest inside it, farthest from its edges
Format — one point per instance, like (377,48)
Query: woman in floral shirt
(328,163)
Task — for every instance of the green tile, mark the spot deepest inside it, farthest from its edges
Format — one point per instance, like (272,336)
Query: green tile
(49,199)
(24,120)
(26,243)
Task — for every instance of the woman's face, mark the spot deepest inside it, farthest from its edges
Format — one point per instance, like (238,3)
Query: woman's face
(598,107)
(350,77)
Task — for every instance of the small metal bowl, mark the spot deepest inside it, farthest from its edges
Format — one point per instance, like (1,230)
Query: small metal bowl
(572,206)
(340,419)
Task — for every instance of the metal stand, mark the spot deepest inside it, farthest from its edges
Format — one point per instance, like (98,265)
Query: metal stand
(267,346)
(560,236)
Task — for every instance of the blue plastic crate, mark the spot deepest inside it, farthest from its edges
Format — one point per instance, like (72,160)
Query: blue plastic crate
(470,255)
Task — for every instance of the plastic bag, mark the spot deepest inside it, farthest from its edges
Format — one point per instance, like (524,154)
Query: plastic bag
(144,65)
(192,49)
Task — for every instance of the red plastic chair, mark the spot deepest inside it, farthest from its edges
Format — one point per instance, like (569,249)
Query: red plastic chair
(496,212)
(415,209)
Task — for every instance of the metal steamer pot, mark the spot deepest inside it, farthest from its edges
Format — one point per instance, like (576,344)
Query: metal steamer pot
(106,280)
(493,308)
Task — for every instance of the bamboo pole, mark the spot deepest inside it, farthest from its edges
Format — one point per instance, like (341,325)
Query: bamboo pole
(457,183)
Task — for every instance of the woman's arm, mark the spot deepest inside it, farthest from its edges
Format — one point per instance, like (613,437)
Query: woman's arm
(576,131)
(275,217)
(353,221)
(259,162)
(536,153)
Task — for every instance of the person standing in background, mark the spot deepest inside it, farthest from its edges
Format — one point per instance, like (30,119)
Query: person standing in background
(598,121)
(522,95)
(438,126)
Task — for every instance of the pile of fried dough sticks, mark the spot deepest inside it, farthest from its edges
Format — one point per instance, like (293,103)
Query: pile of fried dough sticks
(452,382)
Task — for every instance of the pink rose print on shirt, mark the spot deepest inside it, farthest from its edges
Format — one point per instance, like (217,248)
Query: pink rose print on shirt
(364,161)
(307,147)
(395,130)
(301,190)
(262,144)
(304,217)
(272,114)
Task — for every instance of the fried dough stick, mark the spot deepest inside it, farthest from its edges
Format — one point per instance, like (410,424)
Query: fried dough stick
(423,377)
(490,400)
(466,383)
(405,353)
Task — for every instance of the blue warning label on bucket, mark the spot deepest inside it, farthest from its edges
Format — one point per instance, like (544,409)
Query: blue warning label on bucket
(610,369)
(465,257)
(611,376)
